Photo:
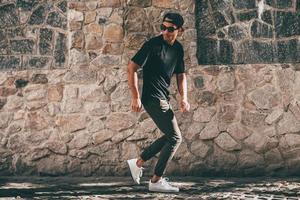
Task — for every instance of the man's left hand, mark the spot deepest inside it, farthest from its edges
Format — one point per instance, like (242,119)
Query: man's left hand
(184,106)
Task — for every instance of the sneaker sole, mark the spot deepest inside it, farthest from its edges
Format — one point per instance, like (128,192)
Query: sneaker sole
(164,191)
(131,173)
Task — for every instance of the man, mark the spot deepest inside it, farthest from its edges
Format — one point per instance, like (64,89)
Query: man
(160,57)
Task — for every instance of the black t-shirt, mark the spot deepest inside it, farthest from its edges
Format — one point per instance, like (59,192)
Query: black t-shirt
(159,61)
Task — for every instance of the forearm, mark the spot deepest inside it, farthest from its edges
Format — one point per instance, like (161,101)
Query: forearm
(133,85)
(133,80)
(182,86)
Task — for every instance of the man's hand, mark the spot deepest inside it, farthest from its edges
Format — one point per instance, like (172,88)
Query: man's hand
(184,106)
(182,88)
(136,104)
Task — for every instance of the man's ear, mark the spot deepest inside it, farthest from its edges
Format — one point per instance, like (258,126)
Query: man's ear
(181,29)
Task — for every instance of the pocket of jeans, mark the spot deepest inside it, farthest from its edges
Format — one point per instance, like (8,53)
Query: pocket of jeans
(164,105)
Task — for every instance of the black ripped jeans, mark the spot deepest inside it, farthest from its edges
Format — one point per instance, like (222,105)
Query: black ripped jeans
(163,116)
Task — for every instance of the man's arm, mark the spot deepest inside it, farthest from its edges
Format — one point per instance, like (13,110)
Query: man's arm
(132,68)
(182,88)
(182,85)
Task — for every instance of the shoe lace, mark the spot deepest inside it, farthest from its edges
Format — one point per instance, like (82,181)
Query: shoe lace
(165,181)
(141,172)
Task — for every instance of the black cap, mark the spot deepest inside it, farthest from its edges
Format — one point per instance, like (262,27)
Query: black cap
(174,18)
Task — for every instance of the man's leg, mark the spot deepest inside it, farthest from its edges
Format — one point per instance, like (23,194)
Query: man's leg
(135,165)
(154,148)
(163,116)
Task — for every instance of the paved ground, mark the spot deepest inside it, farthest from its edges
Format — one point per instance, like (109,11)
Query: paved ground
(123,188)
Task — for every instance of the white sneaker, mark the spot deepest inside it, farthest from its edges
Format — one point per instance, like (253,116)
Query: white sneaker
(162,186)
(136,172)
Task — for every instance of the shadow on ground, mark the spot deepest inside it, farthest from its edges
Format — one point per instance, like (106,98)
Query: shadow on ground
(123,188)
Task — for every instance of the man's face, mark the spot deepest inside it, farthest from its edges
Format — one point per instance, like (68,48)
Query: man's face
(168,35)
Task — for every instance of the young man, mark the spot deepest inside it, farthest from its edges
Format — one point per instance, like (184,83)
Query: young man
(160,57)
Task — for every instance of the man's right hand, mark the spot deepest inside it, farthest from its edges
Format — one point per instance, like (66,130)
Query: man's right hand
(136,104)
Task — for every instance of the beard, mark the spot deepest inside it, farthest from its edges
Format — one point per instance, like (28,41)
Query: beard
(169,38)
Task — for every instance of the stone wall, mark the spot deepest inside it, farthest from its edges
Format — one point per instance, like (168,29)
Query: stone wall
(248,31)
(244,119)
(33,34)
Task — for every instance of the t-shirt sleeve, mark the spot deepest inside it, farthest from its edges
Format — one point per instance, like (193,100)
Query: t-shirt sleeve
(180,67)
(141,56)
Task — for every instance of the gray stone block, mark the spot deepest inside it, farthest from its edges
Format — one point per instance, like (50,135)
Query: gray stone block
(15,32)
(261,30)
(57,20)
(236,32)
(201,8)
(38,16)
(222,11)
(287,24)
(205,52)
(214,51)
(19,83)
(247,16)
(8,16)
(60,50)
(46,35)
(39,79)
(9,62)
(199,82)
(3,43)
(45,48)
(255,52)
(220,20)
(281,4)
(2,103)
(221,34)
(204,20)
(63,6)
(4,47)
(249,4)
(267,17)
(206,27)
(220,5)
(288,51)
(102,20)
(207,97)
(22,46)
(27,5)
(35,62)
(2,35)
